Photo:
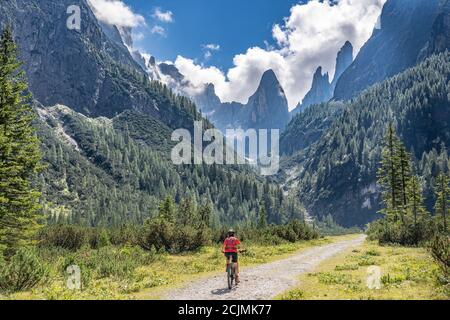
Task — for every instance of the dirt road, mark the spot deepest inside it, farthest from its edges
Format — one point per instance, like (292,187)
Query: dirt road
(264,281)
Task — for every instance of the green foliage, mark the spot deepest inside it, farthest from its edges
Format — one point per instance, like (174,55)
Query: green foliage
(63,236)
(393,176)
(293,231)
(346,267)
(186,231)
(98,238)
(440,249)
(110,174)
(328,227)
(24,271)
(123,236)
(406,221)
(442,206)
(338,168)
(19,153)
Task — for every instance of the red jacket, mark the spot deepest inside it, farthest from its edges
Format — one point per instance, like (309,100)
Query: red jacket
(230,244)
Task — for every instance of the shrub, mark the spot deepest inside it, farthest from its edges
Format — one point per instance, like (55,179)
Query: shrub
(98,238)
(162,234)
(405,234)
(63,236)
(346,267)
(24,271)
(124,235)
(294,231)
(440,250)
(158,234)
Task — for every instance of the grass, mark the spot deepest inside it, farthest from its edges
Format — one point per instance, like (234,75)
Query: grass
(406,274)
(131,273)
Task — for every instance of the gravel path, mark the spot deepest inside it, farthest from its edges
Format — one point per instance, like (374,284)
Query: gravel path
(264,281)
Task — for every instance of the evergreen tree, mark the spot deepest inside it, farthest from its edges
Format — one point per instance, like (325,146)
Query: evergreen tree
(442,191)
(19,153)
(416,201)
(390,174)
(262,217)
(204,213)
(167,209)
(186,212)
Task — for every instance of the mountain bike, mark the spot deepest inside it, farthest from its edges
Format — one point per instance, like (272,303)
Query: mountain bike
(231,271)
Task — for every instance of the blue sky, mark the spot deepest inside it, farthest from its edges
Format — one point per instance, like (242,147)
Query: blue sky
(245,38)
(235,25)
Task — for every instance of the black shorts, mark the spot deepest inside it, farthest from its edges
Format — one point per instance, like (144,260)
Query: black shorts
(233,255)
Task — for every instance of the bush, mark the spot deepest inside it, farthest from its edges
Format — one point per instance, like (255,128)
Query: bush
(98,238)
(23,272)
(123,236)
(158,234)
(440,250)
(109,261)
(405,234)
(165,235)
(294,231)
(63,236)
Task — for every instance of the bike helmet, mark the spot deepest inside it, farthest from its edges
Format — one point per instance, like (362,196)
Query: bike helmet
(231,232)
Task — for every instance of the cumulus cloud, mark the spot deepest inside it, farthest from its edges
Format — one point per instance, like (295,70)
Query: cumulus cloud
(115,12)
(163,16)
(310,37)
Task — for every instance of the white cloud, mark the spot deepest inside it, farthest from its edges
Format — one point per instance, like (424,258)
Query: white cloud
(163,16)
(158,30)
(212,47)
(310,37)
(209,49)
(115,12)
(208,54)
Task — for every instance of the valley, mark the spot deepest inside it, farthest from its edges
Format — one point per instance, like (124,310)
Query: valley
(122,173)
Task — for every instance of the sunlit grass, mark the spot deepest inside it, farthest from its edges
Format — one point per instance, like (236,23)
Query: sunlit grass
(407,273)
(162,273)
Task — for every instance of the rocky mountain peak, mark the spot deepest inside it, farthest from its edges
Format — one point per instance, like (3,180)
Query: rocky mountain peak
(343,60)
(268,107)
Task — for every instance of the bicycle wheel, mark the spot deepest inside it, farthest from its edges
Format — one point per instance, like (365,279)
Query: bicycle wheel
(230,276)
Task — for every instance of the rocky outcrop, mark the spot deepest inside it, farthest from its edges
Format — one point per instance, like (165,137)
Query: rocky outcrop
(343,60)
(405,27)
(321,89)
(268,106)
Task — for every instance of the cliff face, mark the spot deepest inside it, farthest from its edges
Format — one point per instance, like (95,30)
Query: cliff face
(268,106)
(406,26)
(440,33)
(74,68)
(321,89)
(343,60)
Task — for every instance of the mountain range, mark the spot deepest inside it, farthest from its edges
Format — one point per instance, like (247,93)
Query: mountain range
(106,127)
(106,113)
(401,75)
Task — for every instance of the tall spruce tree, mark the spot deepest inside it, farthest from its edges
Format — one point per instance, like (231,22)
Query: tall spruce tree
(262,217)
(390,175)
(19,153)
(416,205)
(442,191)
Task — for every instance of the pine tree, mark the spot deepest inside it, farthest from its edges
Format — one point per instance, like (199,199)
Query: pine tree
(167,209)
(19,153)
(262,217)
(442,191)
(186,212)
(417,210)
(204,213)
(389,175)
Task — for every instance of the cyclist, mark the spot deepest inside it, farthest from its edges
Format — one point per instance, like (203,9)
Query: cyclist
(231,247)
